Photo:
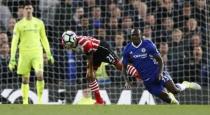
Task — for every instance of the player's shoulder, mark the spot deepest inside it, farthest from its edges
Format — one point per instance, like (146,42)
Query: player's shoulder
(20,22)
(147,41)
(38,20)
(127,46)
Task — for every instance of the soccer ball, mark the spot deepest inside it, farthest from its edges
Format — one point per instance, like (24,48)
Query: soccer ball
(69,38)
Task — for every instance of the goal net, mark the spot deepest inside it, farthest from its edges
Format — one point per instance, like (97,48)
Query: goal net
(179,28)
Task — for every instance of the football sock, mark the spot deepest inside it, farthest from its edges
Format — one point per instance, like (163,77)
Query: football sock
(133,72)
(181,87)
(25,91)
(40,88)
(95,89)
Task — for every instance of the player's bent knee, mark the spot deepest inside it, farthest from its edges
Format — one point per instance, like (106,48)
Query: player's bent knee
(25,79)
(118,65)
(40,78)
(39,75)
(176,91)
(91,78)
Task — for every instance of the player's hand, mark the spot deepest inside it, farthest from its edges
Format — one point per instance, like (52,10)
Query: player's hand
(12,64)
(50,59)
(127,85)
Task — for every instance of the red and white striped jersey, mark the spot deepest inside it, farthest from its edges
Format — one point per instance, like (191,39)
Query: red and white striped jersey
(88,43)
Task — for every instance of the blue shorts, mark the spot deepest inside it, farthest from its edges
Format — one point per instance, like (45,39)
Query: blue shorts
(156,87)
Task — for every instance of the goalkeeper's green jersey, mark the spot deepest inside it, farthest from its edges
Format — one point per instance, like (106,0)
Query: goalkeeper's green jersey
(29,36)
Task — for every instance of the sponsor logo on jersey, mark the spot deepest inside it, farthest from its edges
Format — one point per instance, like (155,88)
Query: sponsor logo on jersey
(140,55)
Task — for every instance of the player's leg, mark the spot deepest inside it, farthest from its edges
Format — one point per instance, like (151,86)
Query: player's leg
(158,90)
(169,84)
(93,84)
(133,72)
(192,85)
(37,64)
(110,57)
(40,85)
(178,87)
(171,87)
(25,88)
(168,97)
(101,55)
(23,70)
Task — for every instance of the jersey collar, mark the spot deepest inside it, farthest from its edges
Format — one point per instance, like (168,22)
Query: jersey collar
(135,45)
(28,20)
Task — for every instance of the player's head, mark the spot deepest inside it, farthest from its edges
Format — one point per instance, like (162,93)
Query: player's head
(86,93)
(69,40)
(136,36)
(28,9)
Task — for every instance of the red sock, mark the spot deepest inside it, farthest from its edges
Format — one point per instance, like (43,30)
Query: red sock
(133,72)
(95,89)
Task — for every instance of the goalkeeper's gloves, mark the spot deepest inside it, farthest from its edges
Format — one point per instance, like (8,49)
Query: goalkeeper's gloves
(12,64)
(50,58)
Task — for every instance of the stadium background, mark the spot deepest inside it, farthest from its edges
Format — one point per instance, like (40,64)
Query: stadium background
(182,25)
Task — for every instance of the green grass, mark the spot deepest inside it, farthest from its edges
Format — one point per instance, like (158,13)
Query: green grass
(104,110)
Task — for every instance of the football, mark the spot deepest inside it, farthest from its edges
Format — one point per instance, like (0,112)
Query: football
(69,37)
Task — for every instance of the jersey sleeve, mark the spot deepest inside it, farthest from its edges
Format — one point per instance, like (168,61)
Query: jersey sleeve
(88,47)
(153,49)
(15,40)
(44,39)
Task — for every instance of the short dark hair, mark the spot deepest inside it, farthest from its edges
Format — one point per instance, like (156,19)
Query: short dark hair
(136,31)
(21,4)
(163,43)
(27,3)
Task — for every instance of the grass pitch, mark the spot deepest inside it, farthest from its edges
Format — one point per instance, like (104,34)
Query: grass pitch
(104,110)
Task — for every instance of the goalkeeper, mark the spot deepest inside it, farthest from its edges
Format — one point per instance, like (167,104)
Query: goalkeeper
(29,36)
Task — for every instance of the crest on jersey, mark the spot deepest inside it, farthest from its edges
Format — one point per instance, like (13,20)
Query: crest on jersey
(143,50)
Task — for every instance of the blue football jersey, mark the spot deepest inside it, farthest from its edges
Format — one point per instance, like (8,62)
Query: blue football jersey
(142,58)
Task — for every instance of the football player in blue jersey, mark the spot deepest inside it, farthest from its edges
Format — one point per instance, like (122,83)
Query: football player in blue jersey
(145,57)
